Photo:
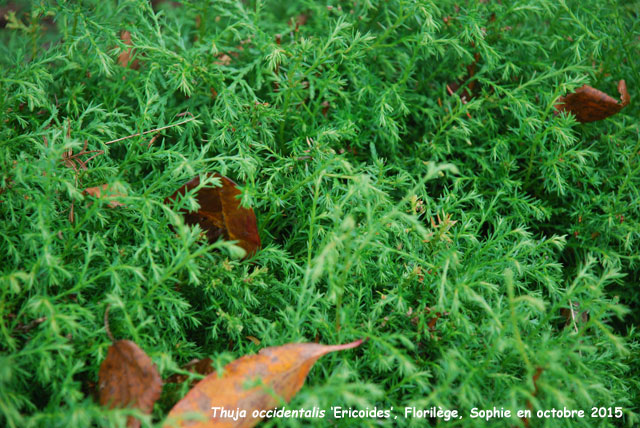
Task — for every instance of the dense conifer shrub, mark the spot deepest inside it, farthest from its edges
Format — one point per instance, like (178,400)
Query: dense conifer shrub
(412,182)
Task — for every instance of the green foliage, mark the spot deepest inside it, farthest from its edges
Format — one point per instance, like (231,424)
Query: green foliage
(380,198)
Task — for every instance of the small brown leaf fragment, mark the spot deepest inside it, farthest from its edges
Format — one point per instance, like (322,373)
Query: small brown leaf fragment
(223,59)
(625,98)
(127,377)
(221,214)
(432,322)
(157,3)
(470,91)
(302,19)
(124,59)
(30,325)
(573,317)
(534,378)
(282,370)
(203,367)
(589,104)
(254,339)
(325,108)
(104,192)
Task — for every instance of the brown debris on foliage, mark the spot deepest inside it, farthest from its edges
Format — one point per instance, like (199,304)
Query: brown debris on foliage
(280,371)
(573,316)
(470,91)
(103,191)
(220,214)
(128,378)
(589,104)
(203,367)
(124,59)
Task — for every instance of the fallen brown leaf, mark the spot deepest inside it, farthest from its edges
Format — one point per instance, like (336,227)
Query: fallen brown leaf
(589,104)
(127,377)
(221,215)
(281,369)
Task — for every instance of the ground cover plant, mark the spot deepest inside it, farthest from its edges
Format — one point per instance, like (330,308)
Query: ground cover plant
(423,174)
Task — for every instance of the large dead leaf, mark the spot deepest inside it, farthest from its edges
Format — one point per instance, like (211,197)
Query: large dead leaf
(128,378)
(589,104)
(220,214)
(281,370)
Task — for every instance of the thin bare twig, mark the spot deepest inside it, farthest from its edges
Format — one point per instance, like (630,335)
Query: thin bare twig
(31,324)
(573,316)
(74,162)
(70,159)
(155,130)
(75,177)
(106,324)
(152,140)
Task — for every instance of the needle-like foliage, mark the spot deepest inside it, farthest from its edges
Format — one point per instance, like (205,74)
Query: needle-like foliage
(487,246)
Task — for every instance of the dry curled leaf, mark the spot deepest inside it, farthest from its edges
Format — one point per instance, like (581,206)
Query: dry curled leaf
(128,378)
(220,214)
(124,59)
(281,370)
(103,191)
(589,104)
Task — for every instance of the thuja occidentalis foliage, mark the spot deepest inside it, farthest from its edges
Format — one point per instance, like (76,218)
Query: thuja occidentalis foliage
(418,176)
